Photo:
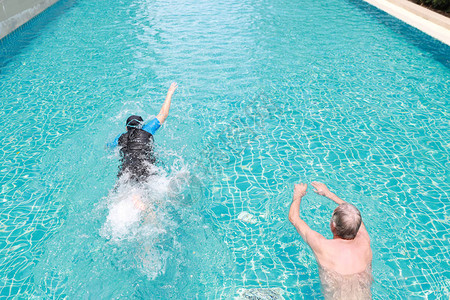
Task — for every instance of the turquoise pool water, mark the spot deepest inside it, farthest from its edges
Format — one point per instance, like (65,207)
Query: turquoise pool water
(271,93)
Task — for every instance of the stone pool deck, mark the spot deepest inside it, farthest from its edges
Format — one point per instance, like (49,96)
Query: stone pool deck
(428,21)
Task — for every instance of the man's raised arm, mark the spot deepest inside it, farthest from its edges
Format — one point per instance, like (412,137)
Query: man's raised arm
(164,112)
(311,237)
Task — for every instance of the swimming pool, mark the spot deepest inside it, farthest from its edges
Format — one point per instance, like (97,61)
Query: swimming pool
(271,93)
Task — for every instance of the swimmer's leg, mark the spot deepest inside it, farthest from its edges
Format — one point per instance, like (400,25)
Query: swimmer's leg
(137,201)
(150,215)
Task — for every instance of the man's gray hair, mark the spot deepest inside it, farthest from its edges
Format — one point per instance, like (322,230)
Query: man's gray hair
(346,220)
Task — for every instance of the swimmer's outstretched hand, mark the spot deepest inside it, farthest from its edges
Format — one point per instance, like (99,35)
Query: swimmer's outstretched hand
(321,188)
(173,87)
(299,191)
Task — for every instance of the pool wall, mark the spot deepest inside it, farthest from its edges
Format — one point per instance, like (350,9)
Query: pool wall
(14,14)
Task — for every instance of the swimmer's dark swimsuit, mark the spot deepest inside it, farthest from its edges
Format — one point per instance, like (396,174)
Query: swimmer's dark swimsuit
(136,150)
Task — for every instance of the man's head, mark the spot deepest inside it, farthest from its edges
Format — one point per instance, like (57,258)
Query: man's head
(346,221)
(134,122)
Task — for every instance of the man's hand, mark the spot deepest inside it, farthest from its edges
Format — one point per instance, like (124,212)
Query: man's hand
(173,87)
(321,188)
(299,191)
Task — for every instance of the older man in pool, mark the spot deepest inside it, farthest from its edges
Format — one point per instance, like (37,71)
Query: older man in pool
(344,261)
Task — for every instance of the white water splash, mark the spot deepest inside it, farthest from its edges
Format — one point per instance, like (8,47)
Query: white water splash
(139,217)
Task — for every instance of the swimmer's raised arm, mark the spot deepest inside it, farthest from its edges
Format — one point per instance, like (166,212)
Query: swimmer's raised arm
(164,112)
(311,237)
(322,190)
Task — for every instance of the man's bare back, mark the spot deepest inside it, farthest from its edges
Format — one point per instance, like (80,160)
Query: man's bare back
(344,261)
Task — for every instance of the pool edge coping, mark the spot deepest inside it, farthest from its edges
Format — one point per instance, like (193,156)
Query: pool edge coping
(14,16)
(427,21)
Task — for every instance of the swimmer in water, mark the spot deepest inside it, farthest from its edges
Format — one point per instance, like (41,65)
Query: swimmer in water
(344,261)
(136,144)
